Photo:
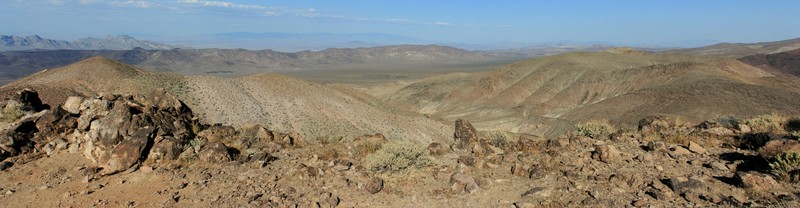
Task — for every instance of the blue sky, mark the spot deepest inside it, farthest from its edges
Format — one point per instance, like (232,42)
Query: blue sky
(466,21)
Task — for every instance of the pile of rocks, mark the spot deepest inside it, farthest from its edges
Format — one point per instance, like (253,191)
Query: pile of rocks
(123,132)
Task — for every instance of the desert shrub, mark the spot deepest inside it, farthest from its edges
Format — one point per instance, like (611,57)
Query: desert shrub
(595,129)
(786,165)
(766,123)
(11,114)
(500,139)
(729,122)
(397,157)
(362,148)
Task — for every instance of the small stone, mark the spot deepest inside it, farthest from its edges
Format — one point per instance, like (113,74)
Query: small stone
(11,191)
(5,165)
(524,205)
(745,128)
(49,149)
(681,185)
(463,182)
(537,192)
(718,166)
(333,201)
(656,146)
(467,160)
(181,185)
(606,153)
(640,203)
(678,151)
(484,183)
(44,187)
(696,162)
(73,104)
(696,148)
(375,185)
(146,169)
(756,181)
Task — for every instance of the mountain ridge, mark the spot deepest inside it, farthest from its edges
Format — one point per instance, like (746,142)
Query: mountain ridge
(118,42)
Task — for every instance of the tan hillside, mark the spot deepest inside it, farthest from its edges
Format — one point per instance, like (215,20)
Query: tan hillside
(275,101)
(532,96)
(739,50)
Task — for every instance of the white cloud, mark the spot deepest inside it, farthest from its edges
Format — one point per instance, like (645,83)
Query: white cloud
(133,3)
(442,23)
(225,4)
(56,2)
(88,1)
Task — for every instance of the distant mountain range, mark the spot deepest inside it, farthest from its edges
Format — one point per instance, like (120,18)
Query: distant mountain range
(119,42)
(15,64)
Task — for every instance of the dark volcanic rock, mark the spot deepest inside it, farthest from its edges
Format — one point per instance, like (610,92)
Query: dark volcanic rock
(214,152)
(465,135)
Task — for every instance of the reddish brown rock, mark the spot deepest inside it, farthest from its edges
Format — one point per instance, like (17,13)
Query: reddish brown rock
(777,147)
(465,135)
(214,152)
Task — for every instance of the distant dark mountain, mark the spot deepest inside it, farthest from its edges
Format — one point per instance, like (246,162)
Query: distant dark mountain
(739,50)
(294,42)
(784,63)
(120,42)
(16,64)
(32,42)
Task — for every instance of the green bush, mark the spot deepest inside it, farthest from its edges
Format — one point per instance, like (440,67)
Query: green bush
(595,129)
(397,157)
(766,123)
(786,165)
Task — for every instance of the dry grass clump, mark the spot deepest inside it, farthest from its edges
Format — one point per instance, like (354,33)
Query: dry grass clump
(595,129)
(766,123)
(786,166)
(367,145)
(11,113)
(398,157)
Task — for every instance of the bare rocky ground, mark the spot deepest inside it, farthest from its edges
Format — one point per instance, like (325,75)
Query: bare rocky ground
(150,151)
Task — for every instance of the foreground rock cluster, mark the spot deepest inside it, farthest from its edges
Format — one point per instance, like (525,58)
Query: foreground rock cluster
(152,151)
(123,132)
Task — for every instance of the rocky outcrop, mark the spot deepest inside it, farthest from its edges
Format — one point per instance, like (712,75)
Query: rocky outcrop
(123,132)
(464,134)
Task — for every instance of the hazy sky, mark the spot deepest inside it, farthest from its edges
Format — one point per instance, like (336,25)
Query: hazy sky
(467,21)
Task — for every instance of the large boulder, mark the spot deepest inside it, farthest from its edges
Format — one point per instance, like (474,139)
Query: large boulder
(777,147)
(128,152)
(465,135)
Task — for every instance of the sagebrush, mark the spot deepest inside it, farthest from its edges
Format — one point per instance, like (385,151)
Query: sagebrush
(398,157)
(766,123)
(595,129)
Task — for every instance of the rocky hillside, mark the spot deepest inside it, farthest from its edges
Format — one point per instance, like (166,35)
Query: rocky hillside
(120,42)
(784,63)
(274,101)
(739,50)
(146,150)
(539,95)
